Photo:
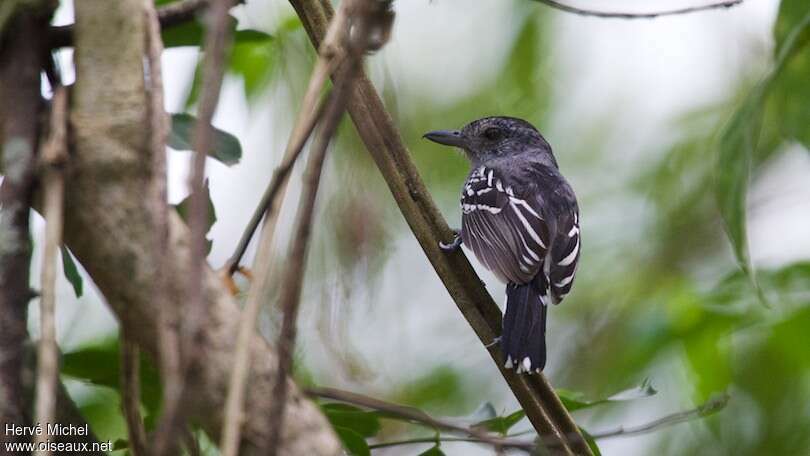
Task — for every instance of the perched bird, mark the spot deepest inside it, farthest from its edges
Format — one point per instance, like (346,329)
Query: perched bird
(520,218)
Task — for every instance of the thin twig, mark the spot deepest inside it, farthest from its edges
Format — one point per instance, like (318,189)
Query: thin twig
(131,394)
(710,407)
(357,16)
(217,43)
(725,4)
(169,15)
(418,416)
(53,156)
(291,292)
(289,299)
(269,205)
(307,119)
(384,143)
(171,372)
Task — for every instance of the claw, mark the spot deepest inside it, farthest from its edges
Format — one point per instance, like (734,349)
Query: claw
(494,342)
(453,245)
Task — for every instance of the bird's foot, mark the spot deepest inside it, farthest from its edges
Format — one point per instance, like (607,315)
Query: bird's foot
(453,245)
(494,342)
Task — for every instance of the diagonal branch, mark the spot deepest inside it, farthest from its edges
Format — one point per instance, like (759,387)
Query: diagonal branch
(724,4)
(384,143)
(302,130)
(418,416)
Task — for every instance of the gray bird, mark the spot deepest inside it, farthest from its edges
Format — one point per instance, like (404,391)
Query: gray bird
(520,218)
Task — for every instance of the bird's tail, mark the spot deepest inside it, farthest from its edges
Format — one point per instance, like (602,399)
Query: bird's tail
(524,329)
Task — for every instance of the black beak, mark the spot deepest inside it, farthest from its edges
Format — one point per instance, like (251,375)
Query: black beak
(447,137)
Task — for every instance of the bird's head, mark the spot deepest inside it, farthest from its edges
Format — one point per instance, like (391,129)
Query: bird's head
(493,137)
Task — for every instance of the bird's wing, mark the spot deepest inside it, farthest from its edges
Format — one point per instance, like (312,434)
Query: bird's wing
(505,230)
(564,254)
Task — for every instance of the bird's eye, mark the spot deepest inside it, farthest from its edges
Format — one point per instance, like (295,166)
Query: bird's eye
(493,133)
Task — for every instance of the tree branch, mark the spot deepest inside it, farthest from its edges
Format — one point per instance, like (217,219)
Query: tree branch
(21,56)
(53,158)
(169,15)
(383,141)
(307,119)
(111,231)
(725,4)
(435,439)
(418,416)
(713,405)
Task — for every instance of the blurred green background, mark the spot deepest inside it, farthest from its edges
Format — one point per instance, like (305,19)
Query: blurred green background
(686,139)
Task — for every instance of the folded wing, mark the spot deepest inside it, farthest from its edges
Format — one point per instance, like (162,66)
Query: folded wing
(506,231)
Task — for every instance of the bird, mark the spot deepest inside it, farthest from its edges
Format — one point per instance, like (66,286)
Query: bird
(520,218)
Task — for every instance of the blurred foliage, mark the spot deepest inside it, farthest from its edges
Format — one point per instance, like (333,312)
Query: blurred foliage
(253,59)
(440,389)
(740,139)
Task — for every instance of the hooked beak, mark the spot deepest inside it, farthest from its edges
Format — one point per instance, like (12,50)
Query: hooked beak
(447,137)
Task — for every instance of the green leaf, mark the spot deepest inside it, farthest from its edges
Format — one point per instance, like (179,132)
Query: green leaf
(736,153)
(501,424)
(72,272)
(364,423)
(434,451)
(737,148)
(99,364)
(120,444)
(353,442)
(791,90)
(226,147)
(184,206)
(591,442)
(252,60)
(575,400)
